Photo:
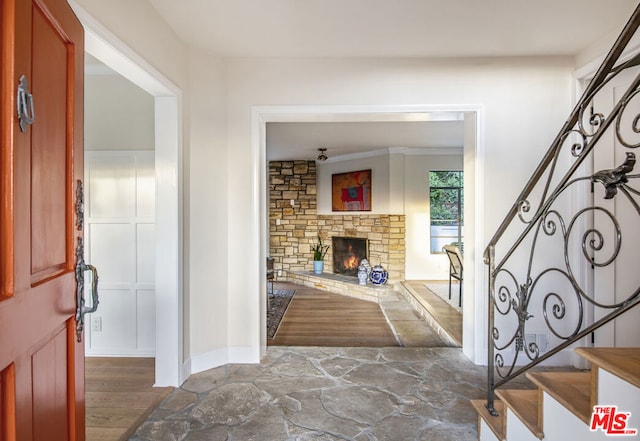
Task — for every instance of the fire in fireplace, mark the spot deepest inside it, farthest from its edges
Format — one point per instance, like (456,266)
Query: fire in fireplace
(347,254)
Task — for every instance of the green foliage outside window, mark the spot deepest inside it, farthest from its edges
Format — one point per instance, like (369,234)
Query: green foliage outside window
(446,198)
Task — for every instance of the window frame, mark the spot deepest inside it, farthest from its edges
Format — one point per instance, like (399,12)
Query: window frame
(458,239)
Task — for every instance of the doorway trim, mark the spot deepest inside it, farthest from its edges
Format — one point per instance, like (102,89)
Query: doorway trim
(475,308)
(113,52)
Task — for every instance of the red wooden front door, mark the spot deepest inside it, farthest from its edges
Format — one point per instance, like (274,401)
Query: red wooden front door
(41,360)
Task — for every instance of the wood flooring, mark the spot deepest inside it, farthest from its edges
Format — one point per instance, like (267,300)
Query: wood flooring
(321,318)
(119,396)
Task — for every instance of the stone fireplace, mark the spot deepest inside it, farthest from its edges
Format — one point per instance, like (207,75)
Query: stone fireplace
(348,252)
(293,229)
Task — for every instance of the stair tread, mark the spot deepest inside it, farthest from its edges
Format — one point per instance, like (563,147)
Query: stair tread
(525,404)
(623,362)
(571,389)
(495,423)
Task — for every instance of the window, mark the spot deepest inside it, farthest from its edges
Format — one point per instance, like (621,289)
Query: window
(446,198)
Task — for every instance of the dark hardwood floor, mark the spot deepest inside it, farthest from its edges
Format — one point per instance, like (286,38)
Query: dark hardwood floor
(320,318)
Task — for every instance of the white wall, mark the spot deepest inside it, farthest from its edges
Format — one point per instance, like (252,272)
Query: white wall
(421,264)
(118,114)
(207,217)
(525,101)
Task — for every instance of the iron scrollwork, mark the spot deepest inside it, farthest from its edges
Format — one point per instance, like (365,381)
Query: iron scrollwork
(537,281)
(512,301)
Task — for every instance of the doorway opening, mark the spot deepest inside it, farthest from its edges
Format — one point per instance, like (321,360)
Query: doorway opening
(106,47)
(474,319)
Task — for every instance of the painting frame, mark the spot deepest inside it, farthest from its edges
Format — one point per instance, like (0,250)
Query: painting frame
(351,191)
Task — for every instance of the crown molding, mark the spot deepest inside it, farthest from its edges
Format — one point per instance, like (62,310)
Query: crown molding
(406,151)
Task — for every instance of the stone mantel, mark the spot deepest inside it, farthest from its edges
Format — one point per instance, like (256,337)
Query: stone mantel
(339,284)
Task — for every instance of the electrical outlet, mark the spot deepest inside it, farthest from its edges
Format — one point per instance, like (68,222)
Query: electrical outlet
(543,343)
(96,323)
(279,273)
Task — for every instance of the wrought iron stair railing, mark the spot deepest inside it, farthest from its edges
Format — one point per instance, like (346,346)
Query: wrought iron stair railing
(563,228)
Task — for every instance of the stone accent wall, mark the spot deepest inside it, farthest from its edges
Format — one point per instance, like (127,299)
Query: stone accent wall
(293,229)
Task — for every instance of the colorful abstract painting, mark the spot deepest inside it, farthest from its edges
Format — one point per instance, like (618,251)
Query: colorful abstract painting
(351,191)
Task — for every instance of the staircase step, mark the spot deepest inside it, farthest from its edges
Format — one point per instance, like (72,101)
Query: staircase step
(623,362)
(525,403)
(571,389)
(495,423)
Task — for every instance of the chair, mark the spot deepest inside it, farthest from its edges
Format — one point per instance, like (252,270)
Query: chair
(270,278)
(455,267)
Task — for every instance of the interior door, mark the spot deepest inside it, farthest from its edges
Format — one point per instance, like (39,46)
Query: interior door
(41,359)
(614,283)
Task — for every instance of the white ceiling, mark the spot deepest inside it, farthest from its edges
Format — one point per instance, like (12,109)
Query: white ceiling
(301,140)
(387,28)
(393,28)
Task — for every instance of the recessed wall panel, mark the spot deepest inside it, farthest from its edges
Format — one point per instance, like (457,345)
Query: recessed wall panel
(111,251)
(145,185)
(121,244)
(111,187)
(117,315)
(146,301)
(145,255)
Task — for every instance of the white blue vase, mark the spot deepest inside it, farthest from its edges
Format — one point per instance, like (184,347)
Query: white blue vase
(367,267)
(318,266)
(378,275)
(363,275)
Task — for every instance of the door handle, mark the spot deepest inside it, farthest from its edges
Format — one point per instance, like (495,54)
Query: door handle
(82,309)
(24,104)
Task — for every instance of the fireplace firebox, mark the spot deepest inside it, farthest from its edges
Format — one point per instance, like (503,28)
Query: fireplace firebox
(348,252)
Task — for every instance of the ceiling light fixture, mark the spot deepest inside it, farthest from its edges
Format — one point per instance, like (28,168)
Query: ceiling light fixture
(322,156)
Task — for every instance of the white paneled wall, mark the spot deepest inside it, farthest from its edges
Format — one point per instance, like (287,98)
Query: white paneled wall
(120,242)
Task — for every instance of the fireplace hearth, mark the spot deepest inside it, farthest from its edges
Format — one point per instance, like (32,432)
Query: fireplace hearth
(348,252)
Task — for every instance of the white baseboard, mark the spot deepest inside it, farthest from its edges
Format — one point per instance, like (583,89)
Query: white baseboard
(245,355)
(186,371)
(131,354)
(207,360)
(220,357)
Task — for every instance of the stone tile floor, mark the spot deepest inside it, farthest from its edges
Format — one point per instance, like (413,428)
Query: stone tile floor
(322,394)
